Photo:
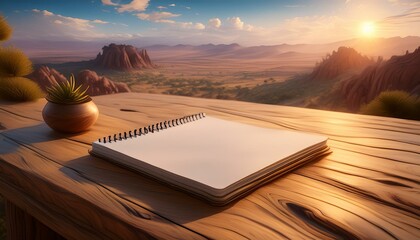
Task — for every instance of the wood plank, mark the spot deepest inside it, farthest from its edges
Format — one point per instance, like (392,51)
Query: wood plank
(74,206)
(22,226)
(368,187)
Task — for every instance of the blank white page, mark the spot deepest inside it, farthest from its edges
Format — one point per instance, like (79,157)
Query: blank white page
(213,151)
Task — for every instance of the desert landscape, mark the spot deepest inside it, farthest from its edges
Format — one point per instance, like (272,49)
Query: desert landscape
(325,76)
(272,63)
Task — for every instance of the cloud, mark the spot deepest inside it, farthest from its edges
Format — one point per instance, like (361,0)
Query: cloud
(248,27)
(199,26)
(99,21)
(165,17)
(172,5)
(134,6)
(189,8)
(214,23)
(44,12)
(235,23)
(47,13)
(410,15)
(157,16)
(109,2)
(161,7)
(165,21)
(191,25)
(401,24)
(72,22)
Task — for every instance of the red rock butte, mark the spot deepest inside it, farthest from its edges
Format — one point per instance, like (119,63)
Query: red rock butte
(97,85)
(123,58)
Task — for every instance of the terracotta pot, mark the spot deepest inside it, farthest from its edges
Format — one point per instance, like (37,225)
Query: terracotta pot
(70,118)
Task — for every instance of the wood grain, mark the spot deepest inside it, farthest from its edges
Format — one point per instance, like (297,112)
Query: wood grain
(22,226)
(368,188)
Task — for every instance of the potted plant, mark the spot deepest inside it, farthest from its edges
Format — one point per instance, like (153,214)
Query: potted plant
(69,108)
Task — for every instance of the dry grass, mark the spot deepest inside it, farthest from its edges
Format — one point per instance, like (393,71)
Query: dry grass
(397,104)
(19,89)
(5,29)
(14,63)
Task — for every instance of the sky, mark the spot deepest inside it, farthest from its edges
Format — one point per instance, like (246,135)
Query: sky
(247,22)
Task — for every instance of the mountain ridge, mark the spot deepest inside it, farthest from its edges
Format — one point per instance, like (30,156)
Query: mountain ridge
(54,52)
(397,73)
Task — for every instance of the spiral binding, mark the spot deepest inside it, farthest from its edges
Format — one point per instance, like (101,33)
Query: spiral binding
(152,128)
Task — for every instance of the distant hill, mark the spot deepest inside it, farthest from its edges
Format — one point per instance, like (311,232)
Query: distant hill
(375,47)
(46,76)
(338,63)
(123,58)
(60,52)
(398,73)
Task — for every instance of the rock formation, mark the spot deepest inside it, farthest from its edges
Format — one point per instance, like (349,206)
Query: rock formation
(398,73)
(46,77)
(123,58)
(339,62)
(98,85)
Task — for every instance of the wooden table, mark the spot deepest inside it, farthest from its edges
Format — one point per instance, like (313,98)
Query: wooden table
(367,188)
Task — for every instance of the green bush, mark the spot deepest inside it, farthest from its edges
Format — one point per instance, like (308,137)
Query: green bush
(14,63)
(19,89)
(5,29)
(398,104)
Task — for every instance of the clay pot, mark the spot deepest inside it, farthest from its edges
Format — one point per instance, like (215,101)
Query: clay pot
(70,118)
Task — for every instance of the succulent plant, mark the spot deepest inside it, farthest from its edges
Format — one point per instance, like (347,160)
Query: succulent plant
(67,93)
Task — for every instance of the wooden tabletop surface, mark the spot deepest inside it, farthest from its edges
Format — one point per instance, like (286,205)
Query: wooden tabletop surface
(367,188)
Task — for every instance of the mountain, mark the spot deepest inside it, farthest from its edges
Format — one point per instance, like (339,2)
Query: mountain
(356,81)
(339,62)
(123,58)
(98,85)
(374,47)
(46,77)
(398,73)
(45,51)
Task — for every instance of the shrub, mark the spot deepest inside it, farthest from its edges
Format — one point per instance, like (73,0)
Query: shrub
(14,63)
(397,104)
(19,89)
(5,29)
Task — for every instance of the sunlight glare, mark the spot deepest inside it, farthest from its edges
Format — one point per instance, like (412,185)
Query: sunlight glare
(368,29)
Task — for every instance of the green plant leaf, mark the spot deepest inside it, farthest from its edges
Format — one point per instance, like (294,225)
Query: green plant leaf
(67,92)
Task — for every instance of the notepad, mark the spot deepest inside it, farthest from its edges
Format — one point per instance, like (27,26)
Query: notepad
(212,158)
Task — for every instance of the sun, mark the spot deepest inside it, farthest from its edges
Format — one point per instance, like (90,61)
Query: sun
(368,29)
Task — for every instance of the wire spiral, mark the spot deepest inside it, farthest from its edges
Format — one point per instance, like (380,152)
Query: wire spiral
(160,126)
